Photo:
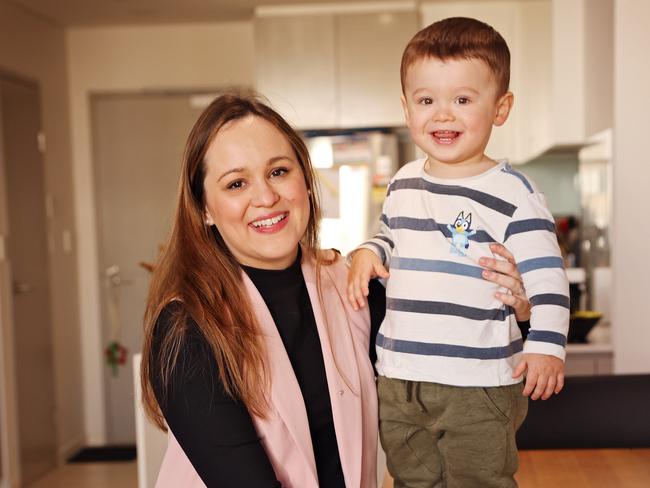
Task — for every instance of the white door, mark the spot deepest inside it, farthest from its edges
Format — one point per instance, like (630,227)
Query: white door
(27,253)
(138,141)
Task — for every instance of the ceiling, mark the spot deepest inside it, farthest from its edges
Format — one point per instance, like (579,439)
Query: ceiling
(74,13)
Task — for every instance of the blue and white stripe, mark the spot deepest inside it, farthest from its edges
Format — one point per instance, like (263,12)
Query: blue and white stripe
(485,199)
(449,350)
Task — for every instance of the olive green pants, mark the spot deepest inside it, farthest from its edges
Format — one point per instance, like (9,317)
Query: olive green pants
(449,436)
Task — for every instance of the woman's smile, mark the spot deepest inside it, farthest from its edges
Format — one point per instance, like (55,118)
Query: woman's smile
(272,223)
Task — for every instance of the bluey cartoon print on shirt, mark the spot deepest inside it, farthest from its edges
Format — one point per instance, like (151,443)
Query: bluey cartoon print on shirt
(460,233)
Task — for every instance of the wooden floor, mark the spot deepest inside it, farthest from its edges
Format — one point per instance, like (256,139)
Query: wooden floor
(91,475)
(598,468)
(589,468)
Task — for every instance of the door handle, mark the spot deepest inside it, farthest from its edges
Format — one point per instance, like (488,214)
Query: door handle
(113,277)
(21,288)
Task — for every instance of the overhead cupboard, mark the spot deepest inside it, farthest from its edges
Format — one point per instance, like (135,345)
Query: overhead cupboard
(334,65)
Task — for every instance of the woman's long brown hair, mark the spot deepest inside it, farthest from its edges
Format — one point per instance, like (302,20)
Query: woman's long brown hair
(197,269)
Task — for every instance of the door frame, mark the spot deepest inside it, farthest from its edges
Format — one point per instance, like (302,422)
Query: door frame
(9,436)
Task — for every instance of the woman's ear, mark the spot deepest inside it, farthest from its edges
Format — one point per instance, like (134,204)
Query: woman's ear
(504,105)
(209,221)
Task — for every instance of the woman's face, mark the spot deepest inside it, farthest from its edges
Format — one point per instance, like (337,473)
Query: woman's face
(255,193)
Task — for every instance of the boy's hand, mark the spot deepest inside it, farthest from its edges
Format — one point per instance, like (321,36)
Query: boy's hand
(365,265)
(545,375)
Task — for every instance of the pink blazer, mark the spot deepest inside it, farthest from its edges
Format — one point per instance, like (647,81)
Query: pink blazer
(285,433)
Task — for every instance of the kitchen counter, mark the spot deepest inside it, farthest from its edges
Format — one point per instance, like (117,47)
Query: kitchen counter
(589,348)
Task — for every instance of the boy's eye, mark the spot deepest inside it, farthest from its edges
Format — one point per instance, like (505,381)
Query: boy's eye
(425,101)
(463,100)
(279,172)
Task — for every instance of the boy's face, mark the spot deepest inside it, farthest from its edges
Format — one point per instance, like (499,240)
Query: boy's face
(450,108)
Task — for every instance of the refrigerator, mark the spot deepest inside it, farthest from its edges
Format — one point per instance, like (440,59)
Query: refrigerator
(353,171)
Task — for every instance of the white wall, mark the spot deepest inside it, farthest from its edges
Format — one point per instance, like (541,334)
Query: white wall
(127,59)
(33,48)
(631,168)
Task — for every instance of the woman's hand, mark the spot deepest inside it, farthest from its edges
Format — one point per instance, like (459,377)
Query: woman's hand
(506,274)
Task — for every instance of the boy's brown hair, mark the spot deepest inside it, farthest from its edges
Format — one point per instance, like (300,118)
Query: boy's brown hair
(460,38)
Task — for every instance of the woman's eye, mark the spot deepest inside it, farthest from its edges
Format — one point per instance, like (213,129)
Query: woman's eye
(235,185)
(425,101)
(463,100)
(278,172)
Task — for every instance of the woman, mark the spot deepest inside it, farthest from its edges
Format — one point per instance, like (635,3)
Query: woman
(252,355)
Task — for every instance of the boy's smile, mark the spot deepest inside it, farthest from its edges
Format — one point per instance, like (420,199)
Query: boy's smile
(450,108)
(446,136)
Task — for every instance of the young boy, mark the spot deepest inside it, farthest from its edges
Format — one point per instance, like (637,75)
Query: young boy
(450,355)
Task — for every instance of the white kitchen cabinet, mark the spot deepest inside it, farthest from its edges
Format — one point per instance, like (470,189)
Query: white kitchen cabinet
(533,128)
(583,68)
(369,48)
(296,67)
(333,69)
(567,84)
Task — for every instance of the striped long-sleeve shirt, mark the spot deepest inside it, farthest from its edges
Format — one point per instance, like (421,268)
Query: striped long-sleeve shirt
(443,323)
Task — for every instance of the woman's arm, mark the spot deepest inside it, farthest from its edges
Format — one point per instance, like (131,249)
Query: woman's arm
(216,432)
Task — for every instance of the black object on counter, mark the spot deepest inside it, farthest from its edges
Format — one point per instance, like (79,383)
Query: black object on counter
(580,324)
(574,296)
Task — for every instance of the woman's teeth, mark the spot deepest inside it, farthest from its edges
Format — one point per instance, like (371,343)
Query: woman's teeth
(269,222)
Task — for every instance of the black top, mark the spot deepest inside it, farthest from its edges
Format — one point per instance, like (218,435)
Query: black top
(217,432)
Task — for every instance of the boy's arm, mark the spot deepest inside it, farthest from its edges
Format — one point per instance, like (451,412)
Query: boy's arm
(365,266)
(381,243)
(371,259)
(531,238)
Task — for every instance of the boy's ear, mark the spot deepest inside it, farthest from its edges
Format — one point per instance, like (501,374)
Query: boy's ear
(405,107)
(504,105)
